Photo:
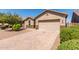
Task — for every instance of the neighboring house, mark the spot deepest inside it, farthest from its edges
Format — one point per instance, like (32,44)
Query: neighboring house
(28,22)
(75,16)
(50,20)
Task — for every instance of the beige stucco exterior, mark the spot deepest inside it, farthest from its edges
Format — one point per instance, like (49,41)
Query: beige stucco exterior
(50,21)
(28,22)
(48,16)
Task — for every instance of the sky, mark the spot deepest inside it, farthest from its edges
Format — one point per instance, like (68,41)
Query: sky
(34,12)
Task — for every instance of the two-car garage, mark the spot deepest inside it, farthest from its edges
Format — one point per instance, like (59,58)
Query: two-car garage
(50,20)
(49,25)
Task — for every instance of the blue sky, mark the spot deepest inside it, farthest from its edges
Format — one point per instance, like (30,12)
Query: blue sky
(34,12)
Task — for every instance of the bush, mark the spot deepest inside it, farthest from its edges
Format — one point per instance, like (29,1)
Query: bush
(65,34)
(69,38)
(69,45)
(75,34)
(69,34)
(16,27)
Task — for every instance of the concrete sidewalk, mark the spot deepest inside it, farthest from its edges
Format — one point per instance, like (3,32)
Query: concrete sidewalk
(35,40)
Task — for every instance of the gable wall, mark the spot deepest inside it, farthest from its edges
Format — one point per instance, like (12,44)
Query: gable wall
(27,22)
(49,16)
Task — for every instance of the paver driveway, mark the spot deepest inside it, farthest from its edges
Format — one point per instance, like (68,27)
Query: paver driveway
(31,41)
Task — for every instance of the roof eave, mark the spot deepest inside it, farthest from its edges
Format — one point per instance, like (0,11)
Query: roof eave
(51,11)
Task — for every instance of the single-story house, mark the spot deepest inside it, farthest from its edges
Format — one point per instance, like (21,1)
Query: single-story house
(49,19)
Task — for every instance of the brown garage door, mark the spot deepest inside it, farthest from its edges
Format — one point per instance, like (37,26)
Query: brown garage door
(49,25)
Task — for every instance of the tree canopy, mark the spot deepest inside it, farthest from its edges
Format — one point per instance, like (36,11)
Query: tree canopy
(10,18)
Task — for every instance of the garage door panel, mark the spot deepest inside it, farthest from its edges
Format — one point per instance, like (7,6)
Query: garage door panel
(49,26)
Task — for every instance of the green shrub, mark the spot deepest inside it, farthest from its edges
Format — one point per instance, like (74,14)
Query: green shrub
(69,45)
(75,34)
(69,34)
(65,34)
(16,27)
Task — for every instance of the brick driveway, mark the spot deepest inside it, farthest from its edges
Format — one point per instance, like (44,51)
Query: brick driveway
(35,40)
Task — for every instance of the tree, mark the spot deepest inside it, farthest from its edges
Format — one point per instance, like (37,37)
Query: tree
(13,19)
(9,18)
(3,18)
